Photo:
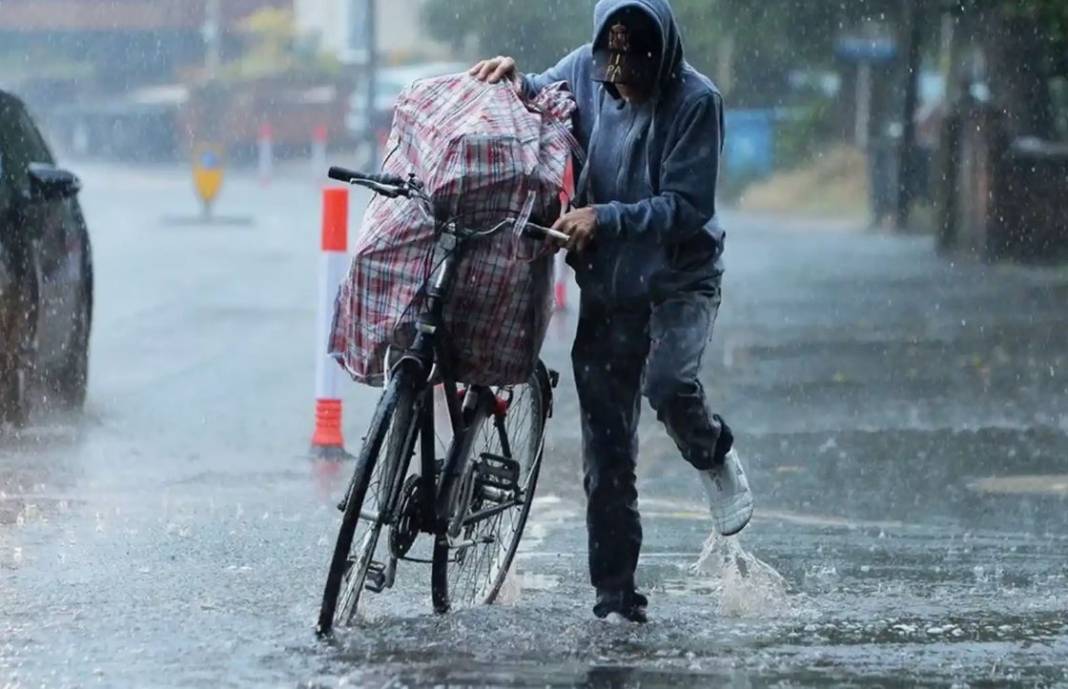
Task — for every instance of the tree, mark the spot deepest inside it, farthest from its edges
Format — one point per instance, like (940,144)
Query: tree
(536,33)
(752,47)
(1025,45)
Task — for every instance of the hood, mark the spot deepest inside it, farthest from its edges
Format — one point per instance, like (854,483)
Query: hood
(670,40)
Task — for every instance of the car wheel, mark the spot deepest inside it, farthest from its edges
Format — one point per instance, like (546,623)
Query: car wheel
(14,392)
(71,379)
(14,364)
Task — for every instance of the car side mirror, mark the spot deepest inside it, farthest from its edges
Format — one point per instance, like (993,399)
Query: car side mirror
(50,183)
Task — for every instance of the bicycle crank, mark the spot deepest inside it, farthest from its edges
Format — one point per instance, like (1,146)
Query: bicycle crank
(405,528)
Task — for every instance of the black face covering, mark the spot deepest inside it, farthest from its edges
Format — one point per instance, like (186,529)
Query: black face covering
(628,50)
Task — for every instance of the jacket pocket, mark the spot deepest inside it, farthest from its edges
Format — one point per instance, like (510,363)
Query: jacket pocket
(690,266)
(634,269)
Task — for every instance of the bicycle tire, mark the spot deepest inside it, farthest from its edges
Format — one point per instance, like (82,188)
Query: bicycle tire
(396,411)
(496,575)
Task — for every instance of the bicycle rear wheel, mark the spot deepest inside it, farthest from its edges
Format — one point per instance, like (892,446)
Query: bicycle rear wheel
(472,570)
(371,495)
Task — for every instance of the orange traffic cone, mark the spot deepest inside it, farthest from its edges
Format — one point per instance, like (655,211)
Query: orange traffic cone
(328,441)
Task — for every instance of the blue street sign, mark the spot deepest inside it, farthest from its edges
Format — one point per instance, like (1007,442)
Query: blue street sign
(856,49)
(209,160)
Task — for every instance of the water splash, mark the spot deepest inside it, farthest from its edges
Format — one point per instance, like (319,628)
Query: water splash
(747,586)
(511,589)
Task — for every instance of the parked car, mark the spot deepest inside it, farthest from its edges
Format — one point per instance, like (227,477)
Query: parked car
(46,276)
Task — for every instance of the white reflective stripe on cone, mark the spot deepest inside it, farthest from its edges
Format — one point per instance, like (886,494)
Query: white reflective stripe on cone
(332,269)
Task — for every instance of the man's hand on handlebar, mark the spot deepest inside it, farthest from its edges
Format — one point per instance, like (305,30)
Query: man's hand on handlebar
(495,69)
(580,226)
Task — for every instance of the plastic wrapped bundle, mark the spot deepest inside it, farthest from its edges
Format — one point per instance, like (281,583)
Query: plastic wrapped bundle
(485,155)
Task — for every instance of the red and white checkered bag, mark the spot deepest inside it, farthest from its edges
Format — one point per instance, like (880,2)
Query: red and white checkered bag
(484,154)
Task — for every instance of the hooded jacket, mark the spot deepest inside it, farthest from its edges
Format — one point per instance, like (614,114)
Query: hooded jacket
(652,181)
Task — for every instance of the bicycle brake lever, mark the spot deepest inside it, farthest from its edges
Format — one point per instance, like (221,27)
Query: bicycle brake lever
(388,192)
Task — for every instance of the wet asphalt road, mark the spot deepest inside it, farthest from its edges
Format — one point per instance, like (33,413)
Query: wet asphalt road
(905,419)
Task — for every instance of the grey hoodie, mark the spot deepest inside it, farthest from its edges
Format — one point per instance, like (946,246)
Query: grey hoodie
(650,174)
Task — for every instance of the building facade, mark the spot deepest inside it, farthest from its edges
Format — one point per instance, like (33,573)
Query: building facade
(120,42)
(77,16)
(340,26)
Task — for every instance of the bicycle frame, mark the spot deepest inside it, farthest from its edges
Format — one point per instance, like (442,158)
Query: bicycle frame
(427,356)
(424,358)
(447,497)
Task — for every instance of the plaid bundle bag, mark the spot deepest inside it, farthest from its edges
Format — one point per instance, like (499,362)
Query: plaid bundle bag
(485,155)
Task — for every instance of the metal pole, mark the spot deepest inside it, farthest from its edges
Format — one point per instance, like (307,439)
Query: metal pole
(372,76)
(212,37)
(906,187)
(862,125)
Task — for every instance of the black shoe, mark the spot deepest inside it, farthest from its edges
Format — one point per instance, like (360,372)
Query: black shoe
(629,605)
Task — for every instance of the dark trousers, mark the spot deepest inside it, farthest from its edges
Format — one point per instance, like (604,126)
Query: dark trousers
(619,355)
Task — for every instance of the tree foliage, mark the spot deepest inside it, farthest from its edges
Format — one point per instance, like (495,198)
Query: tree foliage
(1048,19)
(763,41)
(537,33)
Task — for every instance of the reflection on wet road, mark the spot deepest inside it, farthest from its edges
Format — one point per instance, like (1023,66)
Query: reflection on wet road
(905,421)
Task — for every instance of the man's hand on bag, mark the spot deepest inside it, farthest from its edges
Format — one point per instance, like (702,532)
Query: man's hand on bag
(494,69)
(580,225)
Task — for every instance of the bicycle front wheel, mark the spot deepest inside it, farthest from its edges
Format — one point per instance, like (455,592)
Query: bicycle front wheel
(380,468)
(492,498)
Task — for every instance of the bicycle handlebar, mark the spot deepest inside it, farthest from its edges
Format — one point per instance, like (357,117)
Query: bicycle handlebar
(538,232)
(394,186)
(352,177)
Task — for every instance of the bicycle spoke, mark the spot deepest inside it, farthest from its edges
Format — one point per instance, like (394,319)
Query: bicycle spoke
(368,549)
(476,569)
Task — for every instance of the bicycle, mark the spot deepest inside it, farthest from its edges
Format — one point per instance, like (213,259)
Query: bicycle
(461,501)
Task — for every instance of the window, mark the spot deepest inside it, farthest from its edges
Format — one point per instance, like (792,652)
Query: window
(20,145)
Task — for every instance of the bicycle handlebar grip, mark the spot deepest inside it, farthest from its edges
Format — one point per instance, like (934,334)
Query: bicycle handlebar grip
(535,231)
(342,174)
(349,176)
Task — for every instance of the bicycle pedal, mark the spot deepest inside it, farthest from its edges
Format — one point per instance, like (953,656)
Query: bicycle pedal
(497,473)
(376,577)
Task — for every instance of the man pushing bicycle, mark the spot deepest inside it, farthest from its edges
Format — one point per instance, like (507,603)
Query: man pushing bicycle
(646,248)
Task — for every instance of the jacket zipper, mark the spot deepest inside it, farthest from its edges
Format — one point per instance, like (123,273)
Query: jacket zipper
(627,156)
